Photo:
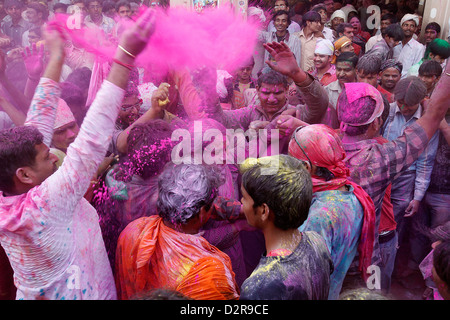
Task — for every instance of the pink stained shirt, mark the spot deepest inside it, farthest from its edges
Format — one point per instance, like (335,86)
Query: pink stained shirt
(51,233)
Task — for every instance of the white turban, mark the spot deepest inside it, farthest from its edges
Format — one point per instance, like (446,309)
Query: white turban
(408,17)
(325,47)
(339,14)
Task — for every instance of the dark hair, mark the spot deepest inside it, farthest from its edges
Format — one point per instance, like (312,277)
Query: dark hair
(17,150)
(81,77)
(440,47)
(39,8)
(122,3)
(184,189)
(441,261)
(353,113)
(149,148)
(88,2)
(272,77)
(434,26)
(394,31)
(389,16)
(287,190)
(108,5)
(60,5)
(430,68)
(318,7)
(341,28)
(369,64)
(281,12)
(411,90)
(348,57)
(11,3)
(311,16)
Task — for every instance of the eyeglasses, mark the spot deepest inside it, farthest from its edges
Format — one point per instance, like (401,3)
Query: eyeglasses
(301,148)
(129,107)
(280,6)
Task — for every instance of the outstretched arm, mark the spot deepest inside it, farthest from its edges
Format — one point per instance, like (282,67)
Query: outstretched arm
(315,96)
(86,153)
(437,105)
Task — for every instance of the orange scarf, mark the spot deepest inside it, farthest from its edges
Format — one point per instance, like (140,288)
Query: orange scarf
(324,149)
(151,255)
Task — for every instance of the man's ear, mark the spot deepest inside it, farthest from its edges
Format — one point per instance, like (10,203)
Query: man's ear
(265,212)
(24,176)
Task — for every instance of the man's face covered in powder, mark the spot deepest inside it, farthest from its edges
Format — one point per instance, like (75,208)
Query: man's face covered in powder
(345,72)
(130,110)
(272,97)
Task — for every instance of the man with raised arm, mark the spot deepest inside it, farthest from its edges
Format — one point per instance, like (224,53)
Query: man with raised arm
(49,232)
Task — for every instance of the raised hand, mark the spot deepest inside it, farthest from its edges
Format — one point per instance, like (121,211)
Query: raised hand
(135,38)
(285,62)
(33,59)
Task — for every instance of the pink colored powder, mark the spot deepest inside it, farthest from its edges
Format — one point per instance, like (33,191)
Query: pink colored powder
(182,38)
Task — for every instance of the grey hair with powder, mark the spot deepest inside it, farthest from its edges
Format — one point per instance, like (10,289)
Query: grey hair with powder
(184,189)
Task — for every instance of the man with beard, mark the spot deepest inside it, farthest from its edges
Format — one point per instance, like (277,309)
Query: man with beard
(409,51)
(130,115)
(390,74)
(345,72)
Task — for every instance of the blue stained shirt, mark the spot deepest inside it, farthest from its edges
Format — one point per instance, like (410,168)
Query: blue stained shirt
(395,126)
(338,217)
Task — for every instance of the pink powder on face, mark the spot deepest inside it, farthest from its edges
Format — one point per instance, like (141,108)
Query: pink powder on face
(182,38)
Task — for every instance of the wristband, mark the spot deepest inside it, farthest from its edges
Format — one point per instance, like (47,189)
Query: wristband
(128,66)
(127,52)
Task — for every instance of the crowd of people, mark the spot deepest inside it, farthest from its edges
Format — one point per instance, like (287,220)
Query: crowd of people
(93,205)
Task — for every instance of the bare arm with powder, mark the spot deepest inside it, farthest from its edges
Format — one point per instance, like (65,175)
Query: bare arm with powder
(437,105)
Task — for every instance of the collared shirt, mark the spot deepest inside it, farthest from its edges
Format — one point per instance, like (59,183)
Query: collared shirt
(15,31)
(51,234)
(371,42)
(409,54)
(308,48)
(374,166)
(292,41)
(293,27)
(333,90)
(316,104)
(328,77)
(423,166)
(107,24)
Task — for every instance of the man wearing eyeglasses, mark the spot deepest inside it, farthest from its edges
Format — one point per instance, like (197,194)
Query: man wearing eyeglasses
(130,113)
(283,5)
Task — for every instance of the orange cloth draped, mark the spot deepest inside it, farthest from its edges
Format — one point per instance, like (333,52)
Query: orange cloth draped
(151,255)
